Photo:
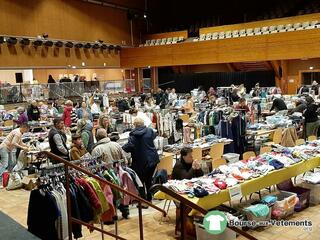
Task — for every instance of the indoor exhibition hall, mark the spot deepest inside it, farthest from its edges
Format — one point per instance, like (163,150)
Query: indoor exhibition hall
(159,120)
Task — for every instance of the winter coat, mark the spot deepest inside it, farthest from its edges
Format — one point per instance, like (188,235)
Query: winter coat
(143,152)
(110,151)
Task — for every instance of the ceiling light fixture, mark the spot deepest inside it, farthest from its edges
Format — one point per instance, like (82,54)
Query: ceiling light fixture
(78,45)
(12,41)
(87,45)
(25,41)
(48,43)
(37,43)
(69,44)
(58,44)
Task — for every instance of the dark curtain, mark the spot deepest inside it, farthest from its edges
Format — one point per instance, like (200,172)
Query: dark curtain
(185,82)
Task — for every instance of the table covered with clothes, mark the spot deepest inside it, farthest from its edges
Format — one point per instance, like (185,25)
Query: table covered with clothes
(251,177)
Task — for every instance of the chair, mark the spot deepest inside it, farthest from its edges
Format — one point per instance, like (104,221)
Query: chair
(242,33)
(215,36)
(276,137)
(208,36)
(228,34)
(218,162)
(280,28)
(289,27)
(312,138)
(297,26)
(185,117)
(174,40)
(249,32)
(153,42)
(8,123)
(313,24)
(300,141)
(158,41)
(265,30)
(169,40)
(265,150)
(257,31)
(202,37)
(221,35)
(235,33)
(180,39)
(197,153)
(216,151)
(273,29)
(163,41)
(166,163)
(304,25)
(247,155)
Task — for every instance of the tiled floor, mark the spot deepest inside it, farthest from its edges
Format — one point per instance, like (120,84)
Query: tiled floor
(15,204)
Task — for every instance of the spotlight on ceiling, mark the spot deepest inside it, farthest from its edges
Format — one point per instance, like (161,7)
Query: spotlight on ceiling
(37,43)
(69,44)
(104,46)
(58,44)
(48,43)
(87,45)
(78,45)
(45,35)
(111,47)
(96,46)
(2,39)
(145,15)
(12,41)
(25,41)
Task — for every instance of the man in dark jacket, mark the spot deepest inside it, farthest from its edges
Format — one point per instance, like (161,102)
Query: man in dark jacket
(186,168)
(58,139)
(143,152)
(33,111)
(278,105)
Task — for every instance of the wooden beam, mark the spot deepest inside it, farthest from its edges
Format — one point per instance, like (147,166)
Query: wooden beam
(231,67)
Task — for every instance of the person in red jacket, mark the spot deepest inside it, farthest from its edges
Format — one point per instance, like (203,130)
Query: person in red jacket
(66,117)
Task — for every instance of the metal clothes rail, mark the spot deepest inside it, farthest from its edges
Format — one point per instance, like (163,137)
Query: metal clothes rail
(67,166)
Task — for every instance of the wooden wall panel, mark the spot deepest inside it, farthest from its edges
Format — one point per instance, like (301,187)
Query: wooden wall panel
(277,21)
(167,35)
(288,45)
(65,19)
(30,57)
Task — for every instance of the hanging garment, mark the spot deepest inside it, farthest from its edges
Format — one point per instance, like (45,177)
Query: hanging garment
(127,184)
(238,126)
(225,131)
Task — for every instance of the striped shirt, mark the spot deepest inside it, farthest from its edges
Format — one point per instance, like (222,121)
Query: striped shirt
(15,136)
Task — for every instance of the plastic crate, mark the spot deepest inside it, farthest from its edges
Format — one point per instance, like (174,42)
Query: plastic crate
(314,192)
(251,217)
(285,204)
(302,193)
(202,234)
(231,157)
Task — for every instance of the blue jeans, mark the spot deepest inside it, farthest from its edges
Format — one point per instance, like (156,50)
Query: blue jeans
(8,160)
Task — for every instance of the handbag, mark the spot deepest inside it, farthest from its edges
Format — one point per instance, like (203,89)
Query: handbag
(15,181)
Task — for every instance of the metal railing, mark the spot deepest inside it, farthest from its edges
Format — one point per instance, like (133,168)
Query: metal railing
(69,165)
(42,92)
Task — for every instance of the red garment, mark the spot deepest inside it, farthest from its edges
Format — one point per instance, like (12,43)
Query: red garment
(90,193)
(108,215)
(245,108)
(66,117)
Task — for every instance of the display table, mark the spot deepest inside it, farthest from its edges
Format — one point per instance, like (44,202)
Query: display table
(250,186)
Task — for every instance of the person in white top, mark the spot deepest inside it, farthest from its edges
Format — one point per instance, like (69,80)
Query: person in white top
(9,147)
(95,108)
(137,114)
(173,97)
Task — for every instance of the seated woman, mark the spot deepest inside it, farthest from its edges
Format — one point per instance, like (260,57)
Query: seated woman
(186,168)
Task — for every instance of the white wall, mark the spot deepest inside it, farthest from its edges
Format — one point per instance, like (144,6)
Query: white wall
(10,77)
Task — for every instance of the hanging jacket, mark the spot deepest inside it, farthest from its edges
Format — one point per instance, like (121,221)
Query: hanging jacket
(127,184)
(141,146)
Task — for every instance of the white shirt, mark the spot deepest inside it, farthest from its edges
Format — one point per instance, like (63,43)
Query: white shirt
(95,109)
(215,222)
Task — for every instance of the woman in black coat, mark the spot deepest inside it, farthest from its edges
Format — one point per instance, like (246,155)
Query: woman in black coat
(143,152)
